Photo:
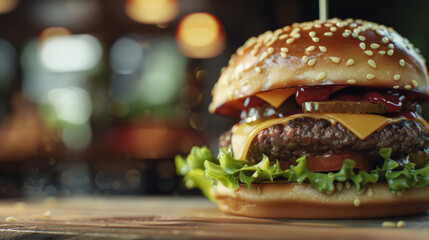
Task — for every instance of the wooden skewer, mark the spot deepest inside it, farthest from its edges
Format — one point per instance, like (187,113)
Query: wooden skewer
(323,10)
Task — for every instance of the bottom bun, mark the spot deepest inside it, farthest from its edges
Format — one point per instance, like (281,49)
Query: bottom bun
(300,201)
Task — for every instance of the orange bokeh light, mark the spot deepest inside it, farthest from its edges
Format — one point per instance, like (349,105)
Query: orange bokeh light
(200,35)
(152,11)
(53,32)
(8,5)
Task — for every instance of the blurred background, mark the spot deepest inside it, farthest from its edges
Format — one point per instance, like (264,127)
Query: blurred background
(98,96)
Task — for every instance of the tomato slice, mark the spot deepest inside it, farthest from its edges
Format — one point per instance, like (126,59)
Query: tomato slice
(334,162)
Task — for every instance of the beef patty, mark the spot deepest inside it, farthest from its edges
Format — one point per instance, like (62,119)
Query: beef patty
(314,137)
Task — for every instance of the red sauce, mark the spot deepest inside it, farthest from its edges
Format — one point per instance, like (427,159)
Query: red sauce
(312,94)
(252,102)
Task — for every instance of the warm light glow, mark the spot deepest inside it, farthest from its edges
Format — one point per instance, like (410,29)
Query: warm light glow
(53,32)
(200,35)
(70,53)
(152,11)
(8,5)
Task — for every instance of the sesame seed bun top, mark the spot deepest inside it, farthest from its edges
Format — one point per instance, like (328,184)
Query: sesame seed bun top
(333,52)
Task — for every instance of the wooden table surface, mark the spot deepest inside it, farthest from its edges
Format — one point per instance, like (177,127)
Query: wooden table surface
(178,218)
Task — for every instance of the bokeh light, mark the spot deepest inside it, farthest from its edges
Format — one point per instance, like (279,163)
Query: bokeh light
(8,58)
(76,137)
(53,32)
(8,5)
(72,105)
(200,35)
(152,11)
(126,55)
(70,53)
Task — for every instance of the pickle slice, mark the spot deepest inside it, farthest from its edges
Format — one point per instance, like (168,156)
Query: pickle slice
(419,158)
(344,107)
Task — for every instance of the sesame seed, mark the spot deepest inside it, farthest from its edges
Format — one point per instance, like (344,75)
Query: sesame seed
(312,34)
(328,33)
(402,62)
(369,52)
(317,25)
(356,202)
(351,81)
(263,56)
(278,32)
(350,62)
(270,43)
(315,39)
(284,55)
(400,224)
(306,28)
(286,28)
(283,36)
(371,63)
(385,40)
(311,48)
(396,77)
(348,31)
(374,45)
(362,45)
(382,52)
(312,62)
(354,35)
(390,52)
(346,35)
(391,46)
(47,214)
(10,219)
(408,86)
(415,83)
(379,32)
(369,192)
(388,224)
(353,25)
(370,76)
(254,52)
(335,59)
(362,38)
(304,59)
(321,76)
(328,25)
(395,86)
(333,29)
(283,49)
(258,70)
(295,35)
(290,40)
(270,50)
(323,49)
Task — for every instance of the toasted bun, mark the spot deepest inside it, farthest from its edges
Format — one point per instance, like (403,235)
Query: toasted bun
(332,52)
(289,200)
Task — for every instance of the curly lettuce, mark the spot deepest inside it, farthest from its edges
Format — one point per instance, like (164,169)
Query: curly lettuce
(202,170)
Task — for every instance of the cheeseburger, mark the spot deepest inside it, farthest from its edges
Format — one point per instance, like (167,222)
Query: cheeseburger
(330,125)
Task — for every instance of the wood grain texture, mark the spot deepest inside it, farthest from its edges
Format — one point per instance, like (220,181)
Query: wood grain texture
(178,218)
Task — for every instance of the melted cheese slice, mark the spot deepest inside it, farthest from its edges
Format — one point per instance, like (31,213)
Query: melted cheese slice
(362,125)
(276,97)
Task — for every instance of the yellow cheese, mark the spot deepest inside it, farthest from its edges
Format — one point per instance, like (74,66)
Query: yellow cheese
(276,97)
(362,125)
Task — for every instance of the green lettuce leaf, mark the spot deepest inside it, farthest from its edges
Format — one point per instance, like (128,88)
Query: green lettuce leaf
(202,170)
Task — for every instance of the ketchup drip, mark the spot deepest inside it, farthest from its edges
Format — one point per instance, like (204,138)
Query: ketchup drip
(312,94)
(393,101)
